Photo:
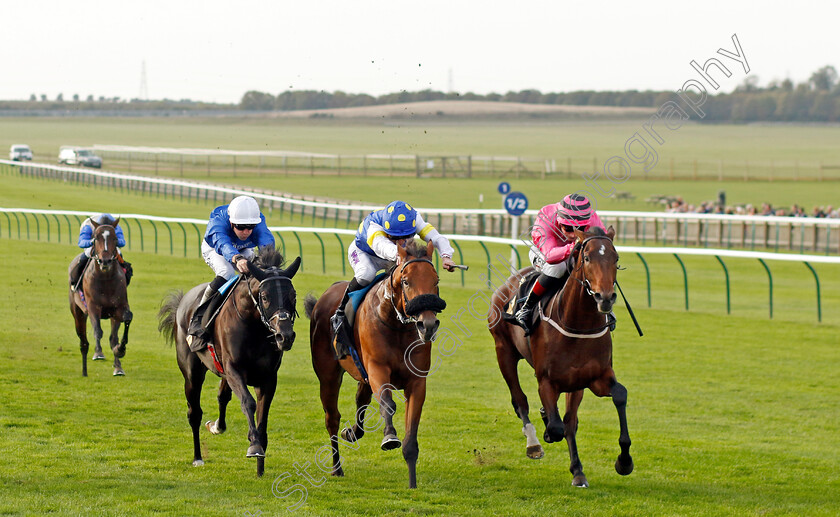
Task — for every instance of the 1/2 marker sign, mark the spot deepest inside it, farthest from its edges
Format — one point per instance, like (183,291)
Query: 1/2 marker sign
(516,203)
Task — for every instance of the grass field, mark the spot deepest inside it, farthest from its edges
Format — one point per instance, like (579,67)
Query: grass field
(729,415)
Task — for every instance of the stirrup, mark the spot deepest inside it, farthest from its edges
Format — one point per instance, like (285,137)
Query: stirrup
(196,343)
(524,316)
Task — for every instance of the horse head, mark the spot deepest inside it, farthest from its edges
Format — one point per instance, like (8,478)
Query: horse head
(274,298)
(414,283)
(597,261)
(104,244)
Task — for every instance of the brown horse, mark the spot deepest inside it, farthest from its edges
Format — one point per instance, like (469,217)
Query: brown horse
(570,350)
(393,331)
(252,330)
(102,296)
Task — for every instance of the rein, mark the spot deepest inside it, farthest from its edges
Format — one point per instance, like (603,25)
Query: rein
(266,321)
(403,318)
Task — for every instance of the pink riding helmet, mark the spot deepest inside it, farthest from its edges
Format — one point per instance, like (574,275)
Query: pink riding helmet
(575,210)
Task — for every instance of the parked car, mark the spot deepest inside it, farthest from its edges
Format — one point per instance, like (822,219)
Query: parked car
(20,152)
(76,156)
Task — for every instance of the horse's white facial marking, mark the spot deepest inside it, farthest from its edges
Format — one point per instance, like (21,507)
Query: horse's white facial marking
(603,248)
(106,233)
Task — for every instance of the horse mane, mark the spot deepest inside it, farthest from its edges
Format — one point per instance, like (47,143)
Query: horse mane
(270,258)
(414,250)
(596,230)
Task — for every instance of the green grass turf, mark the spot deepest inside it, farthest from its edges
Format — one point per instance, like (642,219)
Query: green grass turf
(728,416)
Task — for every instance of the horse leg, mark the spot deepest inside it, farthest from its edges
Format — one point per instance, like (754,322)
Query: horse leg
(570,421)
(608,385)
(114,341)
(96,325)
(387,408)
(363,396)
(249,407)
(415,396)
(127,316)
(220,426)
(193,380)
(80,319)
(329,374)
(554,429)
(265,394)
(508,359)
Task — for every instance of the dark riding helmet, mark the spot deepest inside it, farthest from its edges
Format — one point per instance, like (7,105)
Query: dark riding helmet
(104,218)
(400,220)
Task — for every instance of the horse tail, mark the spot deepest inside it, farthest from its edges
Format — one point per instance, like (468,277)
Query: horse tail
(309,304)
(167,313)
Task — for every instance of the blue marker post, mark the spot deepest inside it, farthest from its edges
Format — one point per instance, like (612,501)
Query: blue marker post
(516,204)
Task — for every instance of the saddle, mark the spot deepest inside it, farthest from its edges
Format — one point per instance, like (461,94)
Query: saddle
(214,306)
(345,334)
(518,300)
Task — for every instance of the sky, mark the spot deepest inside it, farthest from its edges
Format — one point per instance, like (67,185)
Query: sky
(216,50)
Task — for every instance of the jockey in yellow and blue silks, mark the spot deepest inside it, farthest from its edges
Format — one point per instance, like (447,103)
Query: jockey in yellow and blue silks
(86,243)
(232,232)
(375,247)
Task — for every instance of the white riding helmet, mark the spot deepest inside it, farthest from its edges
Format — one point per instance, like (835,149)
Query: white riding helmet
(244,210)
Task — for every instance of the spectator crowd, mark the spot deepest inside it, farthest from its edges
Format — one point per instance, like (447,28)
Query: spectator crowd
(678,205)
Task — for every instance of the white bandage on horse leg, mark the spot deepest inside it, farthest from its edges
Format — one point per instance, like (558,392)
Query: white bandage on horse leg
(530,434)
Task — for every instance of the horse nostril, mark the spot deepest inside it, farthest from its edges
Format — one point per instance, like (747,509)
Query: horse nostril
(613,298)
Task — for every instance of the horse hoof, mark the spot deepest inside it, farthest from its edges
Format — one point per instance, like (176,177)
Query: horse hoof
(580,481)
(624,468)
(198,463)
(255,451)
(98,357)
(213,427)
(119,352)
(535,452)
(348,435)
(118,372)
(391,442)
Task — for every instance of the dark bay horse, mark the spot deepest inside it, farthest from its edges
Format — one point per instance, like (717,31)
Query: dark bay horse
(393,330)
(570,350)
(252,330)
(101,295)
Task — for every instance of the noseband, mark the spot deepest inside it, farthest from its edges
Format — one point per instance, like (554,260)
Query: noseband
(417,304)
(281,315)
(587,286)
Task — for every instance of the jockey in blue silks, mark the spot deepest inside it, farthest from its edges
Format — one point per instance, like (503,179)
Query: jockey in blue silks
(232,233)
(86,243)
(375,248)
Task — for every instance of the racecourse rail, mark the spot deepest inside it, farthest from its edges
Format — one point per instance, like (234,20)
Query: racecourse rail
(27,224)
(800,234)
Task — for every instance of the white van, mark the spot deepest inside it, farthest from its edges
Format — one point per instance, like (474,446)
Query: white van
(20,152)
(77,156)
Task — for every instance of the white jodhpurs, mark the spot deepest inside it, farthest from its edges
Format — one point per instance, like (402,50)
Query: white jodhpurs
(552,270)
(365,266)
(218,264)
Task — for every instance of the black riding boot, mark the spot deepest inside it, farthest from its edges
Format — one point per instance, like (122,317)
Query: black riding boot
(76,274)
(525,315)
(197,333)
(337,320)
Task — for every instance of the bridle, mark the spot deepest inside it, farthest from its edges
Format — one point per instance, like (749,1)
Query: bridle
(281,315)
(587,286)
(94,254)
(403,317)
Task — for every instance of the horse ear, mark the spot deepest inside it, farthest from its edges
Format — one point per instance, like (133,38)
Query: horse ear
(611,232)
(93,223)
(256,272)
(291,270)
(579,236)
(401,254)
(430,249)
(116,222)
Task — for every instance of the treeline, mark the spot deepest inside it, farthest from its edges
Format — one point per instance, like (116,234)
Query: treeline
(816,100)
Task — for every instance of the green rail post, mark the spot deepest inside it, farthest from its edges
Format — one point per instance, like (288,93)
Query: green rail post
(184,230)
(154,226)
(300,247)
(140,227)
(487,253)
(38,228)
(69,229)
(314,210)
(647,275)
(282,243)
(685,278)
(323,252)
(460,258)
(17,220)
(726,274)
(817,280)
(200,237)
(341,254)
(58,224)
(171,244)
(770,279)
(9,223)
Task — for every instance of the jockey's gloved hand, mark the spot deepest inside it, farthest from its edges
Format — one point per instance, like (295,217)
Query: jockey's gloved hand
(448,264)
(241,264)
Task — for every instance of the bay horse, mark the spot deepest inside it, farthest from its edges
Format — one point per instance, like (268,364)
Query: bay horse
(252,330)
(393,330)
(102,295)
(570,350)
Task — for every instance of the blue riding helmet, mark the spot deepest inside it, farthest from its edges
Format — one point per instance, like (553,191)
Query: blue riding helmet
(104,219)
(399,220)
